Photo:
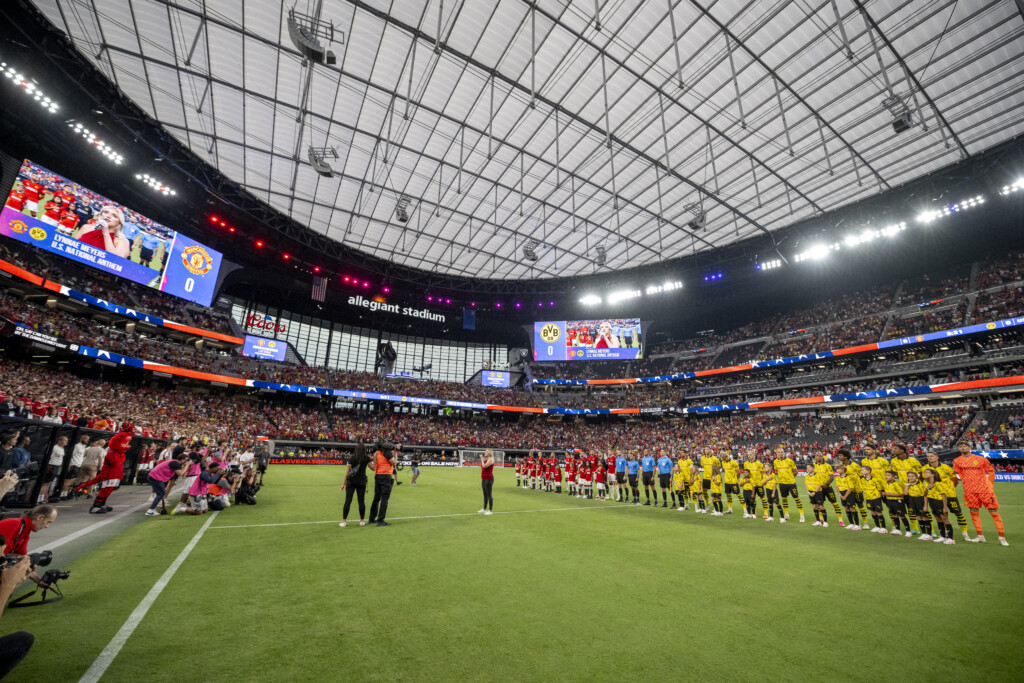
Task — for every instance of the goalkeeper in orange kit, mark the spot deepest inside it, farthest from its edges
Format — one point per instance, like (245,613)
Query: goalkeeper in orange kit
(978,475)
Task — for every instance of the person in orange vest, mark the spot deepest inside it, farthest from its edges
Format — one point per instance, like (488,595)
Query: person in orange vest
(383,466)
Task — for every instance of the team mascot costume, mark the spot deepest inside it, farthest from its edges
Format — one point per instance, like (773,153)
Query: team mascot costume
(110,474)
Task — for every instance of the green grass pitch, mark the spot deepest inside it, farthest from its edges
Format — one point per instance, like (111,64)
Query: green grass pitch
(558,589)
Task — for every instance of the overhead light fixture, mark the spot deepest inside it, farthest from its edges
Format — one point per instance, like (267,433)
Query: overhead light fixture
(530,250)
(817,252)
(769,265)
(1015,187)
(29,88)
(155,184)
(714,276)
(623,295)
(95,142)
(318,160)
(970,203)
(700,217)
(402,209)
(902,117)
(590,300)
(602,256)
(666,287)
(304,30)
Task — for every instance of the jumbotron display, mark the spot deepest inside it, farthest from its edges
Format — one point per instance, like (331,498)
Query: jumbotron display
(53,213)
(264,349)
(496,378)
(605,339)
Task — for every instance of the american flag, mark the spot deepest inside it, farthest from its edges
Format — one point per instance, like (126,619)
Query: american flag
(319,288)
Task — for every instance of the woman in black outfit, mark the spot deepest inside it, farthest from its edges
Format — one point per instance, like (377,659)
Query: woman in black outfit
(355,483)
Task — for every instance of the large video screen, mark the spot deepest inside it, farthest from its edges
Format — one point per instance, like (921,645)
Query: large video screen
(60,216)
(265,349)
(604,339)
(495,378)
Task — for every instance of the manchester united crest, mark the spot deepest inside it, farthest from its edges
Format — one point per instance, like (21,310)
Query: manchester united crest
(197,260)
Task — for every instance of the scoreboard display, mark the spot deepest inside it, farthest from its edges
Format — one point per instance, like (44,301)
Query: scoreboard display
(603,339)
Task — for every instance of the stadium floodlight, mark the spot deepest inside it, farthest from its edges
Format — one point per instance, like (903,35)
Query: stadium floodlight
(304,30)
(590,300)
(964,205)
(769,265)
(622,295)
(816,252)
(155,184)
(91,138)
(665,287)
(30,88)
(1017,186)
(318,160)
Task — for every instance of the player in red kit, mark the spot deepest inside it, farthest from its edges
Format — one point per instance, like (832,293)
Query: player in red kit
(33,191)
(16,198)
(978,477)
(570,475)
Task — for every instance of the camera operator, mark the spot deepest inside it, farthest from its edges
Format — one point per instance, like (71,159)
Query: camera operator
(247,488)
(17,530)
(383,466)
(13,646)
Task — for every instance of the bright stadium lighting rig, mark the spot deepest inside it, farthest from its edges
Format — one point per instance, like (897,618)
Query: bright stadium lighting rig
(590,300)
(714,276)
(818,252)
(28,87)
(154,183)
(769,265)
(622,295)
(929,216)
(666,287)
(91,138)
(1015,187)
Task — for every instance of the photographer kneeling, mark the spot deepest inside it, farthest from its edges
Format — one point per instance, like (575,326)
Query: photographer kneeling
(16,531)
(248,488)
(383,466)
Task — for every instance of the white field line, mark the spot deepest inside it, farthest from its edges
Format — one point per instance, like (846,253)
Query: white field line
(99,667)
(458,514)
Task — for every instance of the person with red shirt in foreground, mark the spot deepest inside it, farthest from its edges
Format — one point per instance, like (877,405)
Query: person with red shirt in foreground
(978,476)
(487,481)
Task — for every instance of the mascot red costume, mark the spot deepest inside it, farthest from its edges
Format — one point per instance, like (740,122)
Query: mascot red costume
(110,474)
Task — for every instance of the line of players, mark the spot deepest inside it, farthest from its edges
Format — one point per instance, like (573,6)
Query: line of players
(919,498)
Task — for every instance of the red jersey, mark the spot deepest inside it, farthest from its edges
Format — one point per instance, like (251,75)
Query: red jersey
(39,408)
(16,200)
(976,473)
(32,190)
(53,208)
(611,463)
(599,476)
(69,220)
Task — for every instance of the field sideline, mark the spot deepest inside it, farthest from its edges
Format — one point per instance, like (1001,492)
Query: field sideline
(558,589)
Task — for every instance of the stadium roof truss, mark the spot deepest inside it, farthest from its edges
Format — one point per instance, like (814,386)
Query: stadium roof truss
(565,125)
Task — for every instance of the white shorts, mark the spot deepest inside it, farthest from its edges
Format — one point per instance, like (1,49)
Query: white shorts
(600,486)
(611,478)
(32,206)
(49,221)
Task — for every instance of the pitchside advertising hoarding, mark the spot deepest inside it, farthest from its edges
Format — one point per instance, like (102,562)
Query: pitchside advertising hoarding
(56,214)
(264,349)
(602,339)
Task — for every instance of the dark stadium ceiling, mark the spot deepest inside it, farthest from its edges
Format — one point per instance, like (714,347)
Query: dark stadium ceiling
(570,127)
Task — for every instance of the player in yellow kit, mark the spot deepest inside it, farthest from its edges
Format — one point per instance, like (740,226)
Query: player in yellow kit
(747,486)
(730,479)
(848,496)
(948,475)
(785,470)
(716,491)
(873,498)
(697,491)
(873,459)
(679,481)
(897,507)
(756,470)
(771,492)
(708,462)
(902,464)
(685,464)
(937,493)
(824,471)
(814,481)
